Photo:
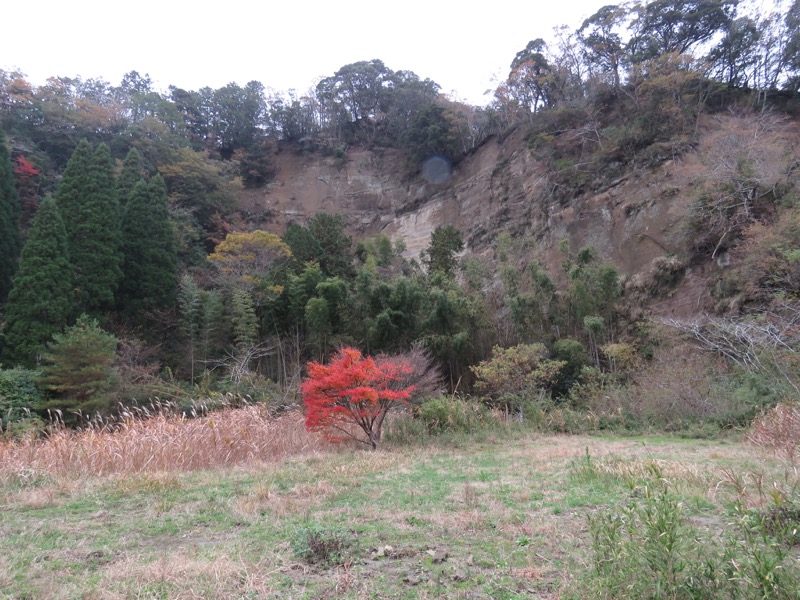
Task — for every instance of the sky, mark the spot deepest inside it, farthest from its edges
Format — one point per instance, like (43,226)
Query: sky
(465,47)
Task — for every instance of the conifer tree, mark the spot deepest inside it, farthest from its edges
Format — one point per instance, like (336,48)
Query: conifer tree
(130,175)
(78,369)
(9,221)
(148,246)
(87,200)
(243,319)
(40,302)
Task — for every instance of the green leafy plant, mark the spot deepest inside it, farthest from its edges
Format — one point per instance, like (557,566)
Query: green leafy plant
(322,544)
(514,372)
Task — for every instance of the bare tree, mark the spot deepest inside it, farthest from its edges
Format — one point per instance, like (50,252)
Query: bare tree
(767,344)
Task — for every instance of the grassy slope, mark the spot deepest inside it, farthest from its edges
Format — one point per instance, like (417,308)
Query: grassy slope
(509,514)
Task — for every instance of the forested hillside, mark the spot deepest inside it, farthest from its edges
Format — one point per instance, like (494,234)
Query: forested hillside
(194,243)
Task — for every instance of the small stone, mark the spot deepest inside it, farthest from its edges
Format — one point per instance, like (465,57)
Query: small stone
(438,556)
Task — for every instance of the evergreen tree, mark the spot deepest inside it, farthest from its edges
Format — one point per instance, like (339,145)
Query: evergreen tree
(87,200)
(9,221)
(446,243)
(336,256)
(40,302)
(78,368)
(243,319)
(130,175)
(148,246)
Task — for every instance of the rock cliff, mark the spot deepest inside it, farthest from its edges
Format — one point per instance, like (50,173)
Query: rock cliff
(632,219)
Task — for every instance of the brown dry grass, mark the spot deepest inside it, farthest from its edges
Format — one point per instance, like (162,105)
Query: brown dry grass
(162,443)
(778,430)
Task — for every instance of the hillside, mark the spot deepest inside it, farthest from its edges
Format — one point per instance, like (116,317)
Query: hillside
(640,215)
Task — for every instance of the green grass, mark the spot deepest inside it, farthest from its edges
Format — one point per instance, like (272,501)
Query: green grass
(504,517)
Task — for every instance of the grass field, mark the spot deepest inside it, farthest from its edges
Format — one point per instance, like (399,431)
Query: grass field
(503,517)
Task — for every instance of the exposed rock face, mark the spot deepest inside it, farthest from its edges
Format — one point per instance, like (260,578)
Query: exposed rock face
(631,220)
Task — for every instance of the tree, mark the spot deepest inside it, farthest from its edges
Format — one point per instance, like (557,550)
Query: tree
(445,243)
(27,182)
(130,175)
(528,81)
(9,221)
(87,201)
(356,94)
(325,242)
(238,114)
(201,320)
(792,50)
(429,133)
(675,26)
(515,372)
(735,57)
(41,299)
(149,271)
(603,46)
(78,368)
(354,391)
(200,186)
(243,320)
(248,257)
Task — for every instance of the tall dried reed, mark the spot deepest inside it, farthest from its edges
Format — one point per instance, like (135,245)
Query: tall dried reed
(159,440)
(778,429)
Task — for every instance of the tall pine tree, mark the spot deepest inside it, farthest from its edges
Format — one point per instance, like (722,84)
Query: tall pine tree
(9,221)
(129,176)
(40,303)
(150,277)
(87,200)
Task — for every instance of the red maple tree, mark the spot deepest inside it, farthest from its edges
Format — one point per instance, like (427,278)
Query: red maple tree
(354,390)
(25,169)
(27,188)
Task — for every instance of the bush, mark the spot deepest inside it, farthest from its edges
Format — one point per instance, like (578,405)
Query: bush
(18,396)
(322,544)
(452,414)
(522,370)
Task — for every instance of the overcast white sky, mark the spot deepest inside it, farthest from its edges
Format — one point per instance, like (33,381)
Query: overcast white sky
(285,45)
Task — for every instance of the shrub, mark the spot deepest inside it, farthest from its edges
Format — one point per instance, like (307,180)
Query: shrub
(452,414)
(521,369)
(321,544)
(18,396)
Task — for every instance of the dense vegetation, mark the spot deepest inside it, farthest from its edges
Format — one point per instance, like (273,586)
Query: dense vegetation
(125,197)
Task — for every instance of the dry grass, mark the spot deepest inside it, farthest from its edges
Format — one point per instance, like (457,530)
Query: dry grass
(778,430)
(509,513)
(162,443)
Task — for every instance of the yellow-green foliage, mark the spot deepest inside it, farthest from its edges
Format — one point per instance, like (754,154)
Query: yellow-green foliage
(622,357)
(518,369)
(250,256)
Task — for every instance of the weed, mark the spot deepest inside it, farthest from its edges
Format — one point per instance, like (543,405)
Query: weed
(326,545)
(647,548)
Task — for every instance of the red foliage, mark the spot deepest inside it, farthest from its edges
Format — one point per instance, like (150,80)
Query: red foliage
(353,390)
(25,169)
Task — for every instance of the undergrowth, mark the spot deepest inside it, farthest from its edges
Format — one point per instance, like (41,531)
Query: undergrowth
(654,545)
